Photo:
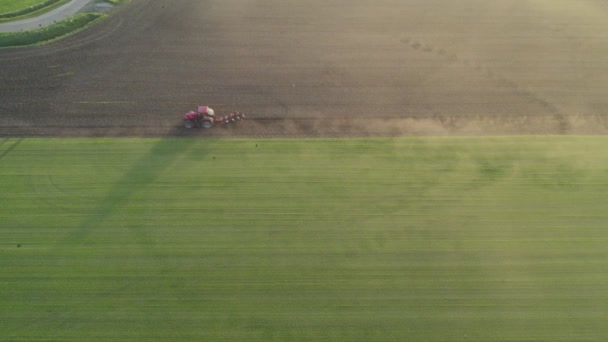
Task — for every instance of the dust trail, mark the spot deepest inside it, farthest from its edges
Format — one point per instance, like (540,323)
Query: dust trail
(436,125)
(494,76)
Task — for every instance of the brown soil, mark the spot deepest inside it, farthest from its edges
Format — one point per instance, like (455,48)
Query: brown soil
(318,68)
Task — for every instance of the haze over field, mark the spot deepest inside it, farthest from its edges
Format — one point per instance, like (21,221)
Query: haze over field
(375,238)
(439,67)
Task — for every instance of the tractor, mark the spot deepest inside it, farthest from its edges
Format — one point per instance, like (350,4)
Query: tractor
(205,117)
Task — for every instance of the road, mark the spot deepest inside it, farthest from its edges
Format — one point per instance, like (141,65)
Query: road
(337,67)
(46,19)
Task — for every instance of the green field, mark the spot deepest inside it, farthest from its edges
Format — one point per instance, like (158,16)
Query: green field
(7,6)
(46,34)
(22,9)
(387,239)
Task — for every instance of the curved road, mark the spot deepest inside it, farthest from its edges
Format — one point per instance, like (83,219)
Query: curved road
(46,19)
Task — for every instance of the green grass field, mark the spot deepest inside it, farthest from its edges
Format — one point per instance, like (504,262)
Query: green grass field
(7,6)
(22,9)
(400,239)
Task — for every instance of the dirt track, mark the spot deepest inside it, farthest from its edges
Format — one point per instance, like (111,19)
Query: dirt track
(319,68)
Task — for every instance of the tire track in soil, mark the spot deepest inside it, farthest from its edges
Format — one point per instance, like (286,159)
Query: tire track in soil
(561,119)
(269,127)
(436,123)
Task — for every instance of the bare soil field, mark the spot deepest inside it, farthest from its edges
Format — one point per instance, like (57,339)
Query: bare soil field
(319,68)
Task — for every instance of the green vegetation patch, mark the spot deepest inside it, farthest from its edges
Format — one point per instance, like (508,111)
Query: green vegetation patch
(417,239)
(10,9)
(60,29)
(7,6)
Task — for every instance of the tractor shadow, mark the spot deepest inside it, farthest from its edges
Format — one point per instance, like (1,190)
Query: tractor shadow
(137,177)
(140,175)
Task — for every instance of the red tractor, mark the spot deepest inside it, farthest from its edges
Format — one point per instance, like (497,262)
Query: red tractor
(205,117)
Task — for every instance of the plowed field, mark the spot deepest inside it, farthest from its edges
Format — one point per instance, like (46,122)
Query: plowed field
(319,68)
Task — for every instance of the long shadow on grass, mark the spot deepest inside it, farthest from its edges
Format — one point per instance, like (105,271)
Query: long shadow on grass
(139,176)
(143,172)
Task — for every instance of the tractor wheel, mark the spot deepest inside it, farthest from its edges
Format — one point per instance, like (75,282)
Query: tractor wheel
(188,124)
(207,124)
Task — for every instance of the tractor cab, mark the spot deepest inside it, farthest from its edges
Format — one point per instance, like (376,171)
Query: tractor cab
(205,110)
